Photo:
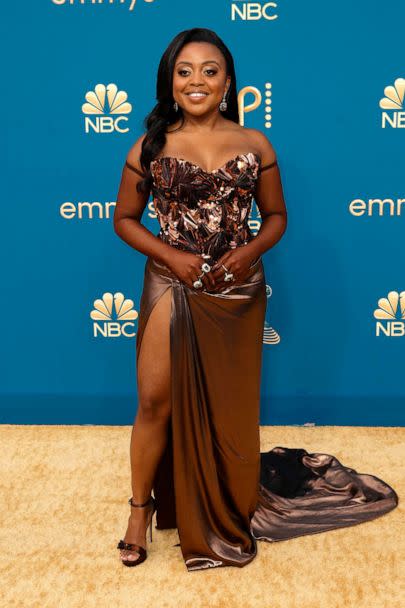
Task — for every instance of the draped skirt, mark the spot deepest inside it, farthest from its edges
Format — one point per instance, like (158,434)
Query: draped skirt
(212,482)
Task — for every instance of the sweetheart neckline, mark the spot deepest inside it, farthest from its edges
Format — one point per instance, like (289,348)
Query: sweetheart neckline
(226,163)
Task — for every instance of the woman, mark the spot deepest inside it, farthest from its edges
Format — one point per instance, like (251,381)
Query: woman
(195,440)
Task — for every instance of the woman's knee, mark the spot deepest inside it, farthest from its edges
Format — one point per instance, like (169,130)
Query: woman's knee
(153,409)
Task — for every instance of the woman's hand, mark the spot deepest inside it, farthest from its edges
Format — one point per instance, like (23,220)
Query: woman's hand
(187,267)
(237,261)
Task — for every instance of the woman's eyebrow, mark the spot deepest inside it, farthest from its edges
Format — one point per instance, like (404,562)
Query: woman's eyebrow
(202,63)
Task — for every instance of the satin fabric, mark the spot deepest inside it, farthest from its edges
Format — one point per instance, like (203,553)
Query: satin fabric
(212,482)
(302,493)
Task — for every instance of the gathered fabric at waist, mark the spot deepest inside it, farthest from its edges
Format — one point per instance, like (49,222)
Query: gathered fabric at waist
(255,275)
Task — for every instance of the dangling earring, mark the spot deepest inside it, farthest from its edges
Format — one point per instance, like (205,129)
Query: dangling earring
(223,105)
(176,106)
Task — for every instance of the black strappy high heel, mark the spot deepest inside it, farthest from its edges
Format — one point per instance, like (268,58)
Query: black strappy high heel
(132,546)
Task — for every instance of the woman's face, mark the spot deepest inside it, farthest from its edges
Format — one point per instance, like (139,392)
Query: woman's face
(200,67)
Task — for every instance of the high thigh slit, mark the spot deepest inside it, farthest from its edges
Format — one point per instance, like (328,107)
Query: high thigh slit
(163,485)
(212,482)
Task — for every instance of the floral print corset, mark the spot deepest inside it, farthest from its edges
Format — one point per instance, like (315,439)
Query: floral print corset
(204,212)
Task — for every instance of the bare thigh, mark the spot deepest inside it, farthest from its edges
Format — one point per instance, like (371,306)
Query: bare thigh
(153,369)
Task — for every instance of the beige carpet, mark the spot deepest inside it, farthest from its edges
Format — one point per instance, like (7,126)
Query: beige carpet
(64,508)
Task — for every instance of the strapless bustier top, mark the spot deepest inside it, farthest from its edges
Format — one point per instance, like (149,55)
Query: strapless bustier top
(204,212)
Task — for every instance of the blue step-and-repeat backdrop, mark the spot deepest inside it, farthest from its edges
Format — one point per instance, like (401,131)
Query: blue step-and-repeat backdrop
(325,81)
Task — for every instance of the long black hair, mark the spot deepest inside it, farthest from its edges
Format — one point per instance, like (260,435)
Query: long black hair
(163,114)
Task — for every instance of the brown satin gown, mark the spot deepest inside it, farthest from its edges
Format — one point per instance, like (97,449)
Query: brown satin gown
(212,482)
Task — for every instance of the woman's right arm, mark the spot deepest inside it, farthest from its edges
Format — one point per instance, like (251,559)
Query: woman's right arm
(130,206)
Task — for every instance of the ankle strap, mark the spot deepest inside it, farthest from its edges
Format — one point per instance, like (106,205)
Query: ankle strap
(134,504)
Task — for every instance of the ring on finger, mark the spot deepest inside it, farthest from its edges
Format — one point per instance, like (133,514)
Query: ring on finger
(198,283)
(228,276)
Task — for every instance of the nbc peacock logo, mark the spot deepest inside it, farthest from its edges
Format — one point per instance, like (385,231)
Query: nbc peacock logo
(270,336)
(390,315)
(113,316)
(393,101)
(105,110)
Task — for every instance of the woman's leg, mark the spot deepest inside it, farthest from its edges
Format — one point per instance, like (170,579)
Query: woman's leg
(149,432)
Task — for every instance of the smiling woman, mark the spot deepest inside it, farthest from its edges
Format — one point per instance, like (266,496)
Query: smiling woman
(200,80)
(195,441)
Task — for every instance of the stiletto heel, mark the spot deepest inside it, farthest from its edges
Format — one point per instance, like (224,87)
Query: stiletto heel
(132,546)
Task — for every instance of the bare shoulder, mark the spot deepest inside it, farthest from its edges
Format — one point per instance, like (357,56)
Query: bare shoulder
(263,144)
(134,153)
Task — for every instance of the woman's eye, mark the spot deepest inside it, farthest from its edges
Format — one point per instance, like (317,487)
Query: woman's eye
(186,72)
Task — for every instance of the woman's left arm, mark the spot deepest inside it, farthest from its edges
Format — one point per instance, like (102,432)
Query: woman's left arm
(270,200)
